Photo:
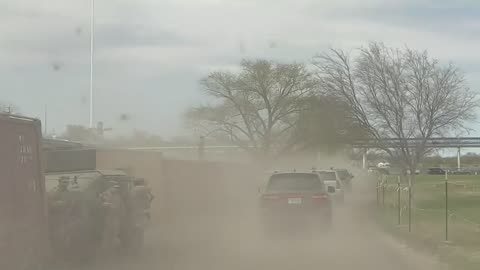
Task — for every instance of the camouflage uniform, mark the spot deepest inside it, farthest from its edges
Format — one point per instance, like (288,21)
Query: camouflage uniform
(142,198)
(114,210)
(58,206)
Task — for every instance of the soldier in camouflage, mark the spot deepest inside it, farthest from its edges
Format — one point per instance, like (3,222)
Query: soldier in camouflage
(58,205)
(142,197)
(114,210)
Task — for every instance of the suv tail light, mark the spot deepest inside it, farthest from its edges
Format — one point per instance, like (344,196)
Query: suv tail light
(320,197)
(270,197)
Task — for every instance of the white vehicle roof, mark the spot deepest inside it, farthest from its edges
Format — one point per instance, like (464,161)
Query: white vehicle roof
(327,175)
(333,182)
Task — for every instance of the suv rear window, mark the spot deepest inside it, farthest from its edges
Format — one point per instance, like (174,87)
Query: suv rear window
(327,176)
(342,174)
(295,182)
(81,181)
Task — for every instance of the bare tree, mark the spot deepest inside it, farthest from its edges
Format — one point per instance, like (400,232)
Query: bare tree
(399,94)
(326,125)
(257,107)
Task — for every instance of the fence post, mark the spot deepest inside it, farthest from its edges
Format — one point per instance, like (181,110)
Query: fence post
(446,210)
(409,207)
(398,202)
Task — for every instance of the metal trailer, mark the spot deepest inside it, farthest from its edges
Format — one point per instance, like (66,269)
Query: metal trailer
(24,238)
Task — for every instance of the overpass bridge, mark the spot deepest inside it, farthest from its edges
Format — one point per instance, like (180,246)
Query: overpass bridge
(191,152)
(437,142)
(222,151)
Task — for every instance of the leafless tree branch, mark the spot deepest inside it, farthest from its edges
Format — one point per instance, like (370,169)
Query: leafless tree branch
(398,94)
(259,105)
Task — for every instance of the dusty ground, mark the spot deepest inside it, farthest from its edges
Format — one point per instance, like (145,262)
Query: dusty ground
(234,241)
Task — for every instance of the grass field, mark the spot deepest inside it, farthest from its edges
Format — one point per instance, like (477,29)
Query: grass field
(429,215)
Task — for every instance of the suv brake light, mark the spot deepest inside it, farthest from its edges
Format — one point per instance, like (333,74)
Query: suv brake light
(270,197)
(320,198)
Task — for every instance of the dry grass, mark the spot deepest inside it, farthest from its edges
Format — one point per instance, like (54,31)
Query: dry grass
(429,216)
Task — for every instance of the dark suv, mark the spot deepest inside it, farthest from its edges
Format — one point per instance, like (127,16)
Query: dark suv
(436,171)
(295,200)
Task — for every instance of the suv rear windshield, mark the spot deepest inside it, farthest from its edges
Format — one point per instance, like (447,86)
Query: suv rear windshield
(79,181)
(343,174)
(295,182)
(327,176)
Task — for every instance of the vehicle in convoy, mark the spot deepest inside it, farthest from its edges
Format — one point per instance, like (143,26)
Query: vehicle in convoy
(91,210)
(24,242)
(383,165)
(333,183)
(346,177)
(294,200)
(377,170)
(460,171)
(436,171)
(417,171)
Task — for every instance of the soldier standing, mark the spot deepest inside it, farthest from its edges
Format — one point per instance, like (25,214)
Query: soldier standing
(113,206)
(59,205)
(143,197)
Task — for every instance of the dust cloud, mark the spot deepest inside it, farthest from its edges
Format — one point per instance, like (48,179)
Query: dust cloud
(223,231)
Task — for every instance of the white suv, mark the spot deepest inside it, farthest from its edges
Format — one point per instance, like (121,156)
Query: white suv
(331,179)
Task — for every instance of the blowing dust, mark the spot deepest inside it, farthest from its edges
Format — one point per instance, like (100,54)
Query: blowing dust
(210,220)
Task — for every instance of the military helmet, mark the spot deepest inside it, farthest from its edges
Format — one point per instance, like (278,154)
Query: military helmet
(114,184)
(64,180)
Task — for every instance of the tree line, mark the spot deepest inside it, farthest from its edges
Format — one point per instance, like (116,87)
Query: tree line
(375,91)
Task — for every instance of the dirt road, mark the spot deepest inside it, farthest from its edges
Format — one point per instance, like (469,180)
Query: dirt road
(234,241)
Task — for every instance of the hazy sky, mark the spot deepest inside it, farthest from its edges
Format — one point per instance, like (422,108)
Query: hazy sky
(150,54)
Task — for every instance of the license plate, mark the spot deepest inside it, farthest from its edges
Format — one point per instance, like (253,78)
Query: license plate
(294,200)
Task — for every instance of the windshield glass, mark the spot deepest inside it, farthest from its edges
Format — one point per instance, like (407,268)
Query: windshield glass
(76,180)
(327,176)
(294,182)
(342,174)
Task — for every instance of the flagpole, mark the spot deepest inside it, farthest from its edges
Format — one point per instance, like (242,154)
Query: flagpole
(92,36)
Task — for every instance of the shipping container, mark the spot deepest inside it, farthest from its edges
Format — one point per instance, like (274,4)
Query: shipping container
(24,238)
